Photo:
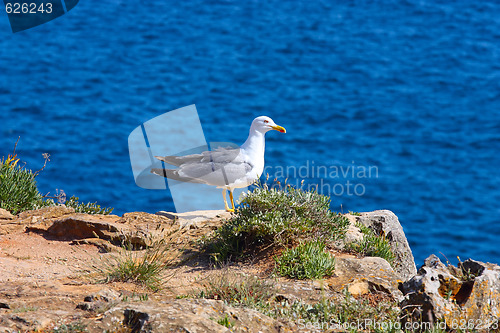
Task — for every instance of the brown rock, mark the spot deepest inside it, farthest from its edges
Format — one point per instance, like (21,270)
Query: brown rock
(385,222)
(5,214)
(80,226)
(353,235)
(137,229)
(37,218)
(141,218)
(364,275)
(196,218)
(468,294)
(186,315)
(103,245)
(101,301)
(47,212)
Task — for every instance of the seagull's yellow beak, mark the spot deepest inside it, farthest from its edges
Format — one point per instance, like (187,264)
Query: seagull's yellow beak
(279,128)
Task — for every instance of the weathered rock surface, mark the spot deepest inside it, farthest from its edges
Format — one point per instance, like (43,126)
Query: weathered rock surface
(385,222)
(32,217)
(137,229)
(464,295)
(102,300)
(45,213)
(185,315)
(365,275)
(195,218)
(353,235)
(5,215)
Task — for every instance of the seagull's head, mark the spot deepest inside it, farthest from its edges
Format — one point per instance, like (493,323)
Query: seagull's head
(265,124)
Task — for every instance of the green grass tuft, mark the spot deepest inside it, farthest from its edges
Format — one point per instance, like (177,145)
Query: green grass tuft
(25,309)
(18,190)
(239,290)
(373,245)
(147,267)
(70,328)
(306,261)
(276,217)
(259,294)
(329,314)
(87,208)
(225,321)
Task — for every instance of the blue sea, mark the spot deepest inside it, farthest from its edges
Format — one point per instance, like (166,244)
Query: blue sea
(399,98)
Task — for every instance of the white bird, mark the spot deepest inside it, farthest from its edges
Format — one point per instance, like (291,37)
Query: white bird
(226,168)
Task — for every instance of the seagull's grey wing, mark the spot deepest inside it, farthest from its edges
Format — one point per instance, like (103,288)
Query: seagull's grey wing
(215,174)
(179,160)
(219,155)
(222,155)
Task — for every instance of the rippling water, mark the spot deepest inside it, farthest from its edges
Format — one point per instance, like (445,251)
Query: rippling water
(409,88)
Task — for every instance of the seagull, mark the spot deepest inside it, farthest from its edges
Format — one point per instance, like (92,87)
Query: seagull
(227,168)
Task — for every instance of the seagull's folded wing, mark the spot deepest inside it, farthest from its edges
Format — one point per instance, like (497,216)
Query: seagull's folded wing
(221,167)
(219,155)
(215,174)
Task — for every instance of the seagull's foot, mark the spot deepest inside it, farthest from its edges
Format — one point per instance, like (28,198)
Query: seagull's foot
(231,210)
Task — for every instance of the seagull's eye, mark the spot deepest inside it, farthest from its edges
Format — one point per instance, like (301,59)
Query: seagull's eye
(266,121)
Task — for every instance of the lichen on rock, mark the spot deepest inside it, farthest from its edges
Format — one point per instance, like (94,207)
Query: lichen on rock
(469,293)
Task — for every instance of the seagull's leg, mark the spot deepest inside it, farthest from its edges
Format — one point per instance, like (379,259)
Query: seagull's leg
(232,201)
(225,201)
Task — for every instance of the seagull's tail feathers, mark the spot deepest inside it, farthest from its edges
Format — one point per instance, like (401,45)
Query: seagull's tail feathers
(173,174)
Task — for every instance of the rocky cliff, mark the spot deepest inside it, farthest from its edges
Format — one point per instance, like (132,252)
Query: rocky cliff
(53,266)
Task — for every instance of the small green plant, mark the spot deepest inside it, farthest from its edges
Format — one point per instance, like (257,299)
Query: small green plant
(275,217)
(25,309)
(334,314)
(354,213)
(236,289)
(259,294)
(372,245)
(87,208)
(147,267)
(448,295)
(182,296)
(70,328)
(18,190)
(225,321)
(463,274)
(306,261)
